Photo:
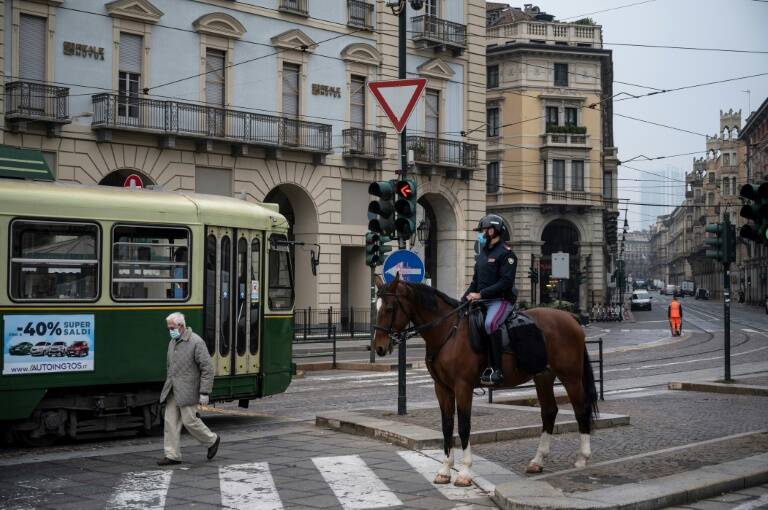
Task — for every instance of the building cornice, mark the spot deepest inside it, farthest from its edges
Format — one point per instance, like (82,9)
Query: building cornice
(493,49)
(220,24)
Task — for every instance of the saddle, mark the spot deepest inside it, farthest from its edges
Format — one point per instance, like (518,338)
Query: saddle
(520,336)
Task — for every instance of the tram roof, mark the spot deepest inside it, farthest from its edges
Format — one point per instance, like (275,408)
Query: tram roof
(78,201)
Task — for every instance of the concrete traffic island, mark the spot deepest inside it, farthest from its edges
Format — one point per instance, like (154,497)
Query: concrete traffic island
(420,428)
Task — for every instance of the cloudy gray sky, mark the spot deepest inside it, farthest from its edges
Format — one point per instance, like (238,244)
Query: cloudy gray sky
(729,24)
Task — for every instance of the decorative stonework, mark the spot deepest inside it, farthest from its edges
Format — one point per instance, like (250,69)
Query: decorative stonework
(361,53)
(220,24)
(294,39)
(436,68)
(135,10)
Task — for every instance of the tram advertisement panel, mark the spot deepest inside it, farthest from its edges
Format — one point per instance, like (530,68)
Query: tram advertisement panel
(45,344)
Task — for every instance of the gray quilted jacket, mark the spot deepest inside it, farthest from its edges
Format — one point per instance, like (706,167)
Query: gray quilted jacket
(190,370)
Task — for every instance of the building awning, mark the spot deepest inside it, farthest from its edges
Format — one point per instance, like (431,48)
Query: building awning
(23,164)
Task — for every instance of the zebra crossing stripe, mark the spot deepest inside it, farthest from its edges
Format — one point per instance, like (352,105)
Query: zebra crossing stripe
(141,490)
(248,486)
(427,467)
(355,485)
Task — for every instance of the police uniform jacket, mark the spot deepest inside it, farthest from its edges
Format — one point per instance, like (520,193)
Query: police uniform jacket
(495,268)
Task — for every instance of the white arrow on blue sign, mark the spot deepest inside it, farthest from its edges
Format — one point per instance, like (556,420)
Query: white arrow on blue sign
(407,263)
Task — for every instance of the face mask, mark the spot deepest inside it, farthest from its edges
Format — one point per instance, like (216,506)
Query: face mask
(481,239)
(174,333)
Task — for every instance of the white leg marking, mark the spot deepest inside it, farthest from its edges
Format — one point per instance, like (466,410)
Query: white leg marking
(426,466)
(141,490)
(542,452)
(585,451)
(248,486)
(466,462)
(354,483)
(447,466)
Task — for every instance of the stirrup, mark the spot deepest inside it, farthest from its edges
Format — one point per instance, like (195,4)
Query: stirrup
(491,377)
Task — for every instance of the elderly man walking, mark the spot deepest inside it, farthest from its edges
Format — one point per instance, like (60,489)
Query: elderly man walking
(189,382)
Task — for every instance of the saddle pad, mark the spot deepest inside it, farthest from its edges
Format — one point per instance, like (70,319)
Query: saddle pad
(527,344)
(477,336)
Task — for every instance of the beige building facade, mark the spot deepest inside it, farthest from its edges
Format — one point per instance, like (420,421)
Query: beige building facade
(264,101)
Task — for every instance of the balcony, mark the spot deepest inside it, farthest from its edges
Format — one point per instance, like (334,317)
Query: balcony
(299,7)
(206,124)
(364,144)
(576,141)
(458,159)
(361,14)
(27,102)
(439,34)
(551,33)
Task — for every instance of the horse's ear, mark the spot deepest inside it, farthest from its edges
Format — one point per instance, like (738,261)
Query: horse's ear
(379,282)
(397,280)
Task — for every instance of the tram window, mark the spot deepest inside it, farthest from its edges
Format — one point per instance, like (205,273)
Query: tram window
(242,312)
(280,275)
(224,311)
(54,261)
(255,290)
(209,318)
(150,263)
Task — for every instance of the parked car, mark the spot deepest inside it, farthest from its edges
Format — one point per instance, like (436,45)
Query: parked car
(78,348)
(40,349)
(58,349)
(702,293)
(641,299)
(678,292)
(669,290)
(20,349)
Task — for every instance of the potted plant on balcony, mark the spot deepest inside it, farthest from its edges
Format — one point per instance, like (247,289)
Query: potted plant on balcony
(419,150)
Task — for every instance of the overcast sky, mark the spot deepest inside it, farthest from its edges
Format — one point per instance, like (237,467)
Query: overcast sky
(730,24)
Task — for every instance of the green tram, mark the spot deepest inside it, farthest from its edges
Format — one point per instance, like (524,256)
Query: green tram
(92,272)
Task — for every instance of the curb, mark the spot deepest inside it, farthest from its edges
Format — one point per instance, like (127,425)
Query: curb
(673,490)
(349,365)
(730,389)
(416,437)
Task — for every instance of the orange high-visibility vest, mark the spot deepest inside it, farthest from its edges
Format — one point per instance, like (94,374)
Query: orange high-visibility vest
(675,310)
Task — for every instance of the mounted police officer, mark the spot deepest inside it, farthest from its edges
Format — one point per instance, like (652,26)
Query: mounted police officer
(494,280)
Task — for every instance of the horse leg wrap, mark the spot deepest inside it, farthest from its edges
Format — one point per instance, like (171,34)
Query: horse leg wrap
(465,474)
(444,473)
(585,451)
(536,465)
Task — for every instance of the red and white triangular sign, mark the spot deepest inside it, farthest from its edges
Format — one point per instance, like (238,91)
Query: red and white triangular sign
(398,98)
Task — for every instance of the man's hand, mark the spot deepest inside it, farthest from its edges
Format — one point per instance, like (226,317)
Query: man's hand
(473,295)
(204,400)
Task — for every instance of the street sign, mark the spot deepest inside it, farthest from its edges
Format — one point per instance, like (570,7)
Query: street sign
(405,262)
(133,181)
(560,265)
(398,98)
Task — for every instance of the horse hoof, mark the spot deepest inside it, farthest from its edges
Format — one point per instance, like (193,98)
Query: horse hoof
(534,468)
(462,481)
(581,463)
(442,479)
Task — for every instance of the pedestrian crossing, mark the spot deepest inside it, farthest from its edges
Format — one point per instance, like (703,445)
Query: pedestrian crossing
(354,483)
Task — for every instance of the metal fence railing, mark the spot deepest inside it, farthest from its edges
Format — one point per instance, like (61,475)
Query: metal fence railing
(364,143)
(295,6)
(433,29)
(438,151)
(323,351)
(36,101)
(360,14)
(311,324)
(598,379)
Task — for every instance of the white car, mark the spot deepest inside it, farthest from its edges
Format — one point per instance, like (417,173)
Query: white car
(40,349)
(641,300)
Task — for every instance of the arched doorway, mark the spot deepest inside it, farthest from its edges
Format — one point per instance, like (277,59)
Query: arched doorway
(299,210)
(559,236)
(439,242)
(120,177)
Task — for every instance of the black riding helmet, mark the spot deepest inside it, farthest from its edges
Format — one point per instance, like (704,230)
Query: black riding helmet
(493,221)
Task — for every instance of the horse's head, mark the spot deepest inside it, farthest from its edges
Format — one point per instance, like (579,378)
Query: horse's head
(391,316)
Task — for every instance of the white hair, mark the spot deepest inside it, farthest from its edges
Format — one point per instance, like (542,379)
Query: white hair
(177,318)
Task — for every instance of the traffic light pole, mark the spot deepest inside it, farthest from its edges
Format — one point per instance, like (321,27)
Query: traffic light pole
(401,349)
(727,297)
(373,312)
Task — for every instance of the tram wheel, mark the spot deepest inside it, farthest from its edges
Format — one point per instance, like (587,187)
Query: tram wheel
(25,438)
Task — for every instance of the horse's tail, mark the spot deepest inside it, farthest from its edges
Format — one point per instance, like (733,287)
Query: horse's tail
(590,392)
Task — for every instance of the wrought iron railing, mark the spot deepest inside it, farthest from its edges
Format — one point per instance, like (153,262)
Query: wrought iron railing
(436,151)
(433,29)
(364,143)
(174,118)
(36,101)
(360,14)
(295,6)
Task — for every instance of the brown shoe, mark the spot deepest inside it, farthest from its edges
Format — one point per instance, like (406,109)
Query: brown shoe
(214,447)
(165,461)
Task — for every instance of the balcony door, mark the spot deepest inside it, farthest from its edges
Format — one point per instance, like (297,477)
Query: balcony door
(432,124)
(32,63)
(291,103)
(215,90)
(129,79)
(357,116)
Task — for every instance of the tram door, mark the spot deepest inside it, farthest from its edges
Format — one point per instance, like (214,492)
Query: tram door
(233,259)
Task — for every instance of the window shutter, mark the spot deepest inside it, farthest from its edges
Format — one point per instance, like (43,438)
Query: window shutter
(214,77)
(32,48)
(432,127)
(357,102)
(291,90)
(130,53)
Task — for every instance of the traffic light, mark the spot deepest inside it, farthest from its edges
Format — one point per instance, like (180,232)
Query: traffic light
(383,207)
(716,248)
(756,211)
(376,248)
(405,207)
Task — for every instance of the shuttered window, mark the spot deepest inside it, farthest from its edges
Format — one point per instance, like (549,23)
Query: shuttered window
(130,53)
(32,48)
(558,175)
(357,102)
(129,75)
(214,77)
(291,90)
(432,105)
(577,175)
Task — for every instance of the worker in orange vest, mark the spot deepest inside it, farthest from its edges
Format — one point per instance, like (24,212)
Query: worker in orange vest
(675,313)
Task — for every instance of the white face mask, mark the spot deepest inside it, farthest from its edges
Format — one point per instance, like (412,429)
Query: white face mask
(175,333)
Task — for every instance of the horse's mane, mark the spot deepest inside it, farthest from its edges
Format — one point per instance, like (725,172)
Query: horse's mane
(428,296)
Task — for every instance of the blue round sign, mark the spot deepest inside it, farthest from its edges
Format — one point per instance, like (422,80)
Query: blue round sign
(405,262)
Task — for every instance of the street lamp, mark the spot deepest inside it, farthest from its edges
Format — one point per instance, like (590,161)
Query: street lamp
(422,232)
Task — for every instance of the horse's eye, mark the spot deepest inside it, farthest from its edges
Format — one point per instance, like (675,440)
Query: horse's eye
(389,308)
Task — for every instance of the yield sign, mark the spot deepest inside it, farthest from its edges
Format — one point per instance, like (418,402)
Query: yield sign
(398,98)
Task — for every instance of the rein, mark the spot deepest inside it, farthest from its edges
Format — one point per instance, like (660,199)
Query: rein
(404,334)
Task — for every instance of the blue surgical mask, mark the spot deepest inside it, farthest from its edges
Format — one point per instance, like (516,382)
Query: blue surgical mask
(481,239)
(175,334)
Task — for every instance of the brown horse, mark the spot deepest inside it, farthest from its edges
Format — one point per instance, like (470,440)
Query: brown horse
(456,368)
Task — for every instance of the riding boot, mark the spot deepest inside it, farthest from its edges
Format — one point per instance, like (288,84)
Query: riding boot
(494,376)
